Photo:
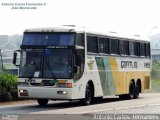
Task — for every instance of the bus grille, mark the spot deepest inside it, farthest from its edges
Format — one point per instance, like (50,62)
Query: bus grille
(42,84)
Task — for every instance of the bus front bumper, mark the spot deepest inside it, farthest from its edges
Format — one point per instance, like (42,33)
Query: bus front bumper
(45,93)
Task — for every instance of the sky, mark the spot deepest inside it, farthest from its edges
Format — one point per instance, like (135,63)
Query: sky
(126,16)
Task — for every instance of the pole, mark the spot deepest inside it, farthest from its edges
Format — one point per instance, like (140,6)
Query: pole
(1,59)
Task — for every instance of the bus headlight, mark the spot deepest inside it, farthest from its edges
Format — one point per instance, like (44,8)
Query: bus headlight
(23,92)
(62,92)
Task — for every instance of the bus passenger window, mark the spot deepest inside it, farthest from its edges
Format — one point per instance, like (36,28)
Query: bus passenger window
(147,49)
(92,44)
(114,46)
(124,47)
(133,48)
(142,49)
(101,47)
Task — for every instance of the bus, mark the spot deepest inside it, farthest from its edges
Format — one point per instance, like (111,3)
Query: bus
(72,63)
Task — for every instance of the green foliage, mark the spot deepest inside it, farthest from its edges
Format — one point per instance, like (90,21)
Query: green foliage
(155,73)
(155,85)
(8,86)
(155,76)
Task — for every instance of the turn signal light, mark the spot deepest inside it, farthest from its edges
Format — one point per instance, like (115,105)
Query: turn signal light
(69,85)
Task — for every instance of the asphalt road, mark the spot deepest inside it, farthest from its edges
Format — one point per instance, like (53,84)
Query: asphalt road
(148,103)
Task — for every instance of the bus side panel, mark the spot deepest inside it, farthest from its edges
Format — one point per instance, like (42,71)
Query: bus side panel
(135,72)
(106,75)
(110,77)
(90,74)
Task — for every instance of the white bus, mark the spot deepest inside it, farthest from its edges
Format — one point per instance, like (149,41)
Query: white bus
(69,63)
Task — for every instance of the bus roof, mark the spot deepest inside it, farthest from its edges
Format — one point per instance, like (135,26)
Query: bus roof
(99,32)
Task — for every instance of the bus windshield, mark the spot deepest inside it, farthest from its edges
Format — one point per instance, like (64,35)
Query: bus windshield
(48,63)
(31,63)
(58,63)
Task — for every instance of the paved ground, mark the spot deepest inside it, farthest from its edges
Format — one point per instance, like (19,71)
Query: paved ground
(62,110)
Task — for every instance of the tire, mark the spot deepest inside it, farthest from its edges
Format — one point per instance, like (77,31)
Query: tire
(131,90)
(131,94)
(123,97)
(137,91)
(42,102)
(88,96)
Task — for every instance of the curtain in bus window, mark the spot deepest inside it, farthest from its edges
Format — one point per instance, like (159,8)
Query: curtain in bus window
(147,49)
(142,49)
(80,39)
(92,44)
(136,48)
(101,47)
(114,46)
(133,48)
(95,44)
(124,47)
(89,44)
(106,45)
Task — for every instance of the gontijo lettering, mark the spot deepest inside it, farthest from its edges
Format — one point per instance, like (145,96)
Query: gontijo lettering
(128,64)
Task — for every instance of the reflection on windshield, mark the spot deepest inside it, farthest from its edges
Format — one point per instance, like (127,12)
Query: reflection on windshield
(58,63)
(55,63)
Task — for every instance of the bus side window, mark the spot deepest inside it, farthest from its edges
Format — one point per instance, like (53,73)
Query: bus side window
(124,47)
(142,49)
(80,39)
(114,46)
(148,50)
(79,64)
(92,44)
(134,48)
(103,45)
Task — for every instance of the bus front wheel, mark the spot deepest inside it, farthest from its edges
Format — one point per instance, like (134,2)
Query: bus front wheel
(42,102)
(88,96)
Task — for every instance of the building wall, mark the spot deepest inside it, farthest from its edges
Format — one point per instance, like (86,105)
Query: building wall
(155,54)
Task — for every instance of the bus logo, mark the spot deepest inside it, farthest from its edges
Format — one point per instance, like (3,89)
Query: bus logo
(90,64)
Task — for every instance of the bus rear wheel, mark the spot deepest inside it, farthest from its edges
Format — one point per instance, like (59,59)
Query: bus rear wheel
(88,96)
(131,94)
(137,91)
(131,90)
(42,102)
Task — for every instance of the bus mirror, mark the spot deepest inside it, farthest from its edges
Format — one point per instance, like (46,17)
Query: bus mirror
(15,57)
